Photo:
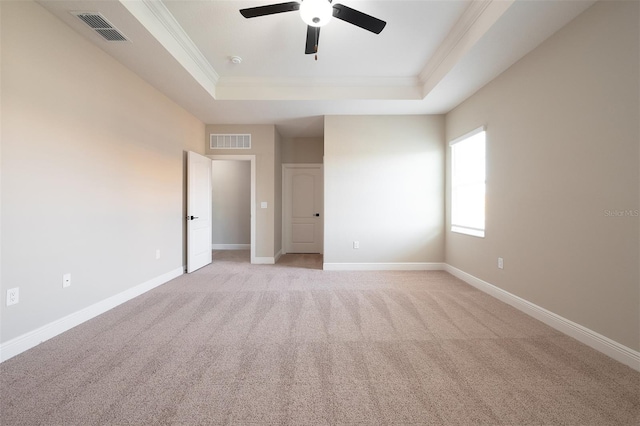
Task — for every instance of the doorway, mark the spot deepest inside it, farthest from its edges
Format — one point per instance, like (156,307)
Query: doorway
(218,214)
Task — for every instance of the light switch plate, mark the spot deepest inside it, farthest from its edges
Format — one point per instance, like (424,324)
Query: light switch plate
(263,205)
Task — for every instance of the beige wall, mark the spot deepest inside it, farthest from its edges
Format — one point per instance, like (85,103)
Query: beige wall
(562,158)
(231,209)
(303,150)
(384,187)
(263,146)
(277,205)
(92,172)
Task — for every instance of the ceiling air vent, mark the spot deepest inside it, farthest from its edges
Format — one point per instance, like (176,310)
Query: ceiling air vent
(100,25)
(229,141)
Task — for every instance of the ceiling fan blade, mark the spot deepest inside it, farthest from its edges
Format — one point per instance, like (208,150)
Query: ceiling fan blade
(270,9)
(358,18)
(313,38)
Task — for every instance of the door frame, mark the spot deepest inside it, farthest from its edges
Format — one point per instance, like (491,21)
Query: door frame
(252,159)
(285,233)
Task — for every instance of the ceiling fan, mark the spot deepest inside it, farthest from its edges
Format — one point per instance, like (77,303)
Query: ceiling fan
(316,13)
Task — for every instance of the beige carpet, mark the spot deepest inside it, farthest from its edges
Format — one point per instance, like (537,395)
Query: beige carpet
(291,344)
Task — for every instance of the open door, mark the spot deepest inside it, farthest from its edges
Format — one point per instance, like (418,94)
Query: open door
(198,211)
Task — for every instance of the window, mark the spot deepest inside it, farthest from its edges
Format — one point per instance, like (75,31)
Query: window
(468,183)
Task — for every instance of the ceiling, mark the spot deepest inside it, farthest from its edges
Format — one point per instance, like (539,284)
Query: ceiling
(432,55)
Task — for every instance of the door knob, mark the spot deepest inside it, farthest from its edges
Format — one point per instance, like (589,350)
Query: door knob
(317,215)
(192,217)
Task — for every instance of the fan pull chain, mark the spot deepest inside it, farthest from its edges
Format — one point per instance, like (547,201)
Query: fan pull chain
(317,41)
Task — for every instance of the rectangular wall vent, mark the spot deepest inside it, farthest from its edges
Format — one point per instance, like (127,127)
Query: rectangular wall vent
(100,25)
(229,141)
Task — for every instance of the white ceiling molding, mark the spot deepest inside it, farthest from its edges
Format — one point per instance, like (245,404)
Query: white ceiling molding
(474,23)
(157,19)
(279,93)
(319,81)
(383,88)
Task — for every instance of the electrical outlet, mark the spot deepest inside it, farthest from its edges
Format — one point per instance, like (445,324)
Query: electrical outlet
(13,296)
(157,254)
(500,263)
(66,280)
(356,244)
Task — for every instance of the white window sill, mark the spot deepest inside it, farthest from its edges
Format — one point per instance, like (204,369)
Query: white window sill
(468,231)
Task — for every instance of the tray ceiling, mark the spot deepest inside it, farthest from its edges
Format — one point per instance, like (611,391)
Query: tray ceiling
(430,57)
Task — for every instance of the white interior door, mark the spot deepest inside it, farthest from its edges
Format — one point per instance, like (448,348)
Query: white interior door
(302,208)
(198,211)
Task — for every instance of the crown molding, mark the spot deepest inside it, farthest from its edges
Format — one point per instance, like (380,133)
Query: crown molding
(313,90)
(474,23)
(157,19)
(380,88)
(318,81)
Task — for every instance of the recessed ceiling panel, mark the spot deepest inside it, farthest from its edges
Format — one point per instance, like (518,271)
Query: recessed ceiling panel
(273,46)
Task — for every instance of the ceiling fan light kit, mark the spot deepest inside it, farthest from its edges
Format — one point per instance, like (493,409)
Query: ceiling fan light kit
(316,13)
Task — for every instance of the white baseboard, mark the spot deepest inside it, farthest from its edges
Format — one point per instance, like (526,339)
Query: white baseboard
(33,338)
(264,261)
(267,260)
(405,266)
(589,337)
(230,246)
